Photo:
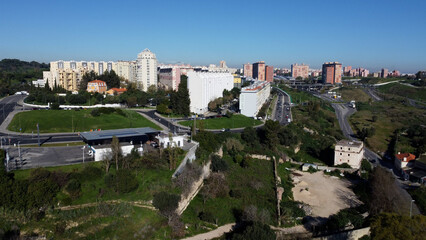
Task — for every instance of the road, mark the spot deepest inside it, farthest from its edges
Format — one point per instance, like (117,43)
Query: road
(283,108)
(11,104)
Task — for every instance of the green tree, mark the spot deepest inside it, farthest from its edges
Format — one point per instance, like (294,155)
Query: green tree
(87,77)
(116,152)
(249,135)
(179,100)
(255,231)
(271,129)
(166,202)
(392,226)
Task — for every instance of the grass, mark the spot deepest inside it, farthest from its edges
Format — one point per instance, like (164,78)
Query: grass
(298,96)
(353,93)
(391,115)
(402,90)
(255,186)
(120,221)
(236,121)
(54,121)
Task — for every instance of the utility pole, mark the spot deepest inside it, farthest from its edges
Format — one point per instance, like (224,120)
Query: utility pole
(83,152)
(38,135)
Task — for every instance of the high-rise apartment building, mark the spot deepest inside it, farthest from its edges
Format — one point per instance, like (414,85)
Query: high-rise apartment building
(146,74)
(126,69)
(259,70)
(248,70)
(332,72)
(269,73)
(384,73)
(204,87)
(298,70)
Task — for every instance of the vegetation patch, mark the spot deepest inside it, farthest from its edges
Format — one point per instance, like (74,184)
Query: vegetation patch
(52,121)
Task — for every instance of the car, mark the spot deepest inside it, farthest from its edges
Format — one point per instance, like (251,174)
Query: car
(223,130)
(227,130)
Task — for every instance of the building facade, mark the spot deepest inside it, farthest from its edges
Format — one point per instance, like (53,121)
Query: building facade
(97,86)
(350,152)
(332,72)
(169,78)
(259,71)
(269,73)
(126,69)
(299,71)
(204,87)
(384,73)
(146,74)
(248,70)
(253,97)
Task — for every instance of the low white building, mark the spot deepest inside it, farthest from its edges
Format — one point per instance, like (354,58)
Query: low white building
(253,97)
(204,87)
(39,83)
(350,152)
(165,140)
(100,152)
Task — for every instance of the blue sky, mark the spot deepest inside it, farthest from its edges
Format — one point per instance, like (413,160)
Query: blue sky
(371,34)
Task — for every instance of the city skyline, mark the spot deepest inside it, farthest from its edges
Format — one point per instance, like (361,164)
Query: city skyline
(382,34)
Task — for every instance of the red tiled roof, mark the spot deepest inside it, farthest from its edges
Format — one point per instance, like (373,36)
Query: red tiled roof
(118,89)
(96,81)
(408,156)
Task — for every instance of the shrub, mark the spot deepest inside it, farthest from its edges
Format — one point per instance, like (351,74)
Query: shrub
(54,106)
(120,112)
(95,112)
(73,188)
(109,180)
(90,173)
(343,165)
(126,181)
(105,110)
(207,217)
(218,164)
(166,202)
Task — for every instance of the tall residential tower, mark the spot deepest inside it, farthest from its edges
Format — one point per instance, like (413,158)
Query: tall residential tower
(146,74)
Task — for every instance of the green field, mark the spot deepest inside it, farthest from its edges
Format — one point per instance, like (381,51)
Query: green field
(353,93)
(54,121)
(236,121)
(297,96)
(402,90)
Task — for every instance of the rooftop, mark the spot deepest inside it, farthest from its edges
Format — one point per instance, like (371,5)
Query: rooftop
(405,157)
(97,81)
(256,86)
(120,133)
(349,143)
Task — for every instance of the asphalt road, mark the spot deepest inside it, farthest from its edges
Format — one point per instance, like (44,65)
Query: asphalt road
(8,105)
(283,108)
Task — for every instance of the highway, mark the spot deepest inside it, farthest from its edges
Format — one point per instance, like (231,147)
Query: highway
(282,111)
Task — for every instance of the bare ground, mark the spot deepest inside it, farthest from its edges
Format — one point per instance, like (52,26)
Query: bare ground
(325,194)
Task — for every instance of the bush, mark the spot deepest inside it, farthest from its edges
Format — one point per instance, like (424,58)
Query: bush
(95,112)
(218,164)
(343,165)
(105,110)
(126,181)
(255,231)
(120,112)
(91,173)
(54,106)
(166,202)
(109,181)
(73,188)
(207,217)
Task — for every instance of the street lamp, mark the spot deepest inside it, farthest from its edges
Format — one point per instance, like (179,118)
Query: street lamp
(411,207)
(83,152)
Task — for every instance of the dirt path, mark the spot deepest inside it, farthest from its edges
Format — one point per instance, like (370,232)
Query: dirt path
(141,204)
(212,234)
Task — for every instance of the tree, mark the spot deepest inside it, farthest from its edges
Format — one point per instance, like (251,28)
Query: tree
(87,77)
(166,203)
(215,186)
(392,226)
(116,152)
(111,79)
(179,100)
(249,135)
(271,129)
(218,164)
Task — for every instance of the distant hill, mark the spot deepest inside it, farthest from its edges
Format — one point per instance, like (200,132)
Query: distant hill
(16,65)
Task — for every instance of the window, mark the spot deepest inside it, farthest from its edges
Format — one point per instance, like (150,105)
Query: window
(349,155)
(340,154)
(349,149)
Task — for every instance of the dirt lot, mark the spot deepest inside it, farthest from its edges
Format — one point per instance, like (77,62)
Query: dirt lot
(326,195)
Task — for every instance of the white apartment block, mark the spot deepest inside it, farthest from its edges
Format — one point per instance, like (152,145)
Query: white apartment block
(253,97)
(169,78)
(126,69)
(146,75)
(204,87)
(350,152)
